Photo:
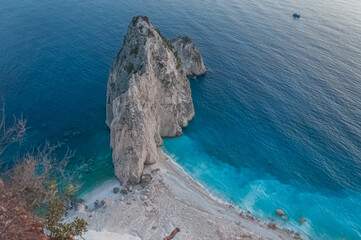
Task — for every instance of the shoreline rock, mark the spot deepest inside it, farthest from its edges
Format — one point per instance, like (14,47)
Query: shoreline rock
(148,96)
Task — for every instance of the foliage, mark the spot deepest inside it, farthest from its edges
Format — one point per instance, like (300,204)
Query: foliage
(58,229)
(144,18)
(10,134)
(179,63)
(150,33)
(31,187)
(129,68)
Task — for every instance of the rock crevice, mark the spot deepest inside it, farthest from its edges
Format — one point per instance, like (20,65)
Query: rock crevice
(148,96)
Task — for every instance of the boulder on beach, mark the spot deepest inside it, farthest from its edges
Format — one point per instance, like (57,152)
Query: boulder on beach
(145,180)
(81,207)
(116,190)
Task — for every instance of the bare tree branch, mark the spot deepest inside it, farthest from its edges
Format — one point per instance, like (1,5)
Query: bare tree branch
(12,134)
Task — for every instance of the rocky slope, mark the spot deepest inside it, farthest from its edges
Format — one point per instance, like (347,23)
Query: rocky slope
(148,96)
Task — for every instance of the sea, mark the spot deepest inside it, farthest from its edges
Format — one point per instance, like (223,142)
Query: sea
(278,113)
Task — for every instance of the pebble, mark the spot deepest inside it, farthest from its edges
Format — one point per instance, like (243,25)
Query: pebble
(148,208)
(130,188)
(124,191)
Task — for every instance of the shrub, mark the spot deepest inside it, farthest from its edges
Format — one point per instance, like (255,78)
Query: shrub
(129,68)
(54,221)
(150,33)
(134,51)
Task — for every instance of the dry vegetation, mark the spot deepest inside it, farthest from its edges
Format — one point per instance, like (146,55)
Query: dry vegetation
(31,197)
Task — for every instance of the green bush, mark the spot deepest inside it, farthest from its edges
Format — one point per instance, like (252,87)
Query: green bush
(54,218)
(150,33)
(129,68)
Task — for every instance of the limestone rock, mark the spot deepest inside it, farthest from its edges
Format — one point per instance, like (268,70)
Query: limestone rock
(130,188)
(272,226)
(189,55)
(148,97)
(115,189)
(145,180)
(81,207)
(302,220)
(124,191)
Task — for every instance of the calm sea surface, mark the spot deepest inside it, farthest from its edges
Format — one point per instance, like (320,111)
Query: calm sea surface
(278,114)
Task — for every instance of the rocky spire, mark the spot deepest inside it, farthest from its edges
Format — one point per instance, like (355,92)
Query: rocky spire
(148,96)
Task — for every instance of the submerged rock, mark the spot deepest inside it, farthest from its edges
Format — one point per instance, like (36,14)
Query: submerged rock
(302,220)
(280,212)
(148,96)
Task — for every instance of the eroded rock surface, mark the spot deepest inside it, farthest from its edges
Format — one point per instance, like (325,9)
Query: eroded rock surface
(148,97)
(189,55)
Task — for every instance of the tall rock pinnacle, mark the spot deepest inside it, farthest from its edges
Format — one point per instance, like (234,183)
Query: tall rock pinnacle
(148,96)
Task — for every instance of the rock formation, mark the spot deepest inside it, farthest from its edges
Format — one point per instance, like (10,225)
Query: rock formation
(148,96)
(189,55)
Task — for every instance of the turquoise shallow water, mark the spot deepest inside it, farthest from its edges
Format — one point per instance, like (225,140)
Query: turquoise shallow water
(278,114)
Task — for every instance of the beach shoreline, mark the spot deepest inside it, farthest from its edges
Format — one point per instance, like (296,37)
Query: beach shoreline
(171,199)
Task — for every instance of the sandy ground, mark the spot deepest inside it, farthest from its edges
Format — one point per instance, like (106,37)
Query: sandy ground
(171,199)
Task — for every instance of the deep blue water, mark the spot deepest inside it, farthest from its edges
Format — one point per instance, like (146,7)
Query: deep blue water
(278,114)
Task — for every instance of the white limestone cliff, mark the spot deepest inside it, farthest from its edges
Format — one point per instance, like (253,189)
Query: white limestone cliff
(148,97)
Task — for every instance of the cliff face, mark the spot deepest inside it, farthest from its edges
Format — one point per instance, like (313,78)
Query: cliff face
(148,97)
(189,55)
